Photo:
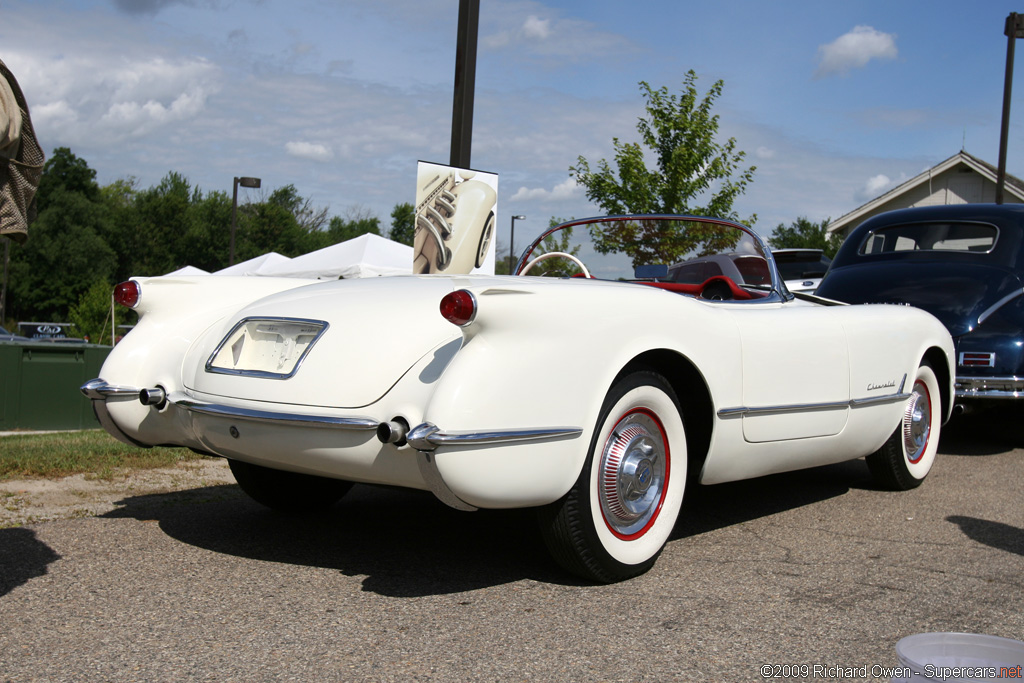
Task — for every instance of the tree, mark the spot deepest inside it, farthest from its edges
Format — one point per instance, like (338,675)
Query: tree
(91,315)
(804,234)
(64,171)
(403,223)
(558,266)
(357,222)
(691,167)
(64,257)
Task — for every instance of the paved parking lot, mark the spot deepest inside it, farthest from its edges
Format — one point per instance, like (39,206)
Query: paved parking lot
(813,568)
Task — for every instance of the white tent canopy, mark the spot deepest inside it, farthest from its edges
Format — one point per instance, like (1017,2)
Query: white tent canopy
(188,271)
(251,266)
(365,256)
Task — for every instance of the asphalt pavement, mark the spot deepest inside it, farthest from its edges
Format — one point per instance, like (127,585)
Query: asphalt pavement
(814,569)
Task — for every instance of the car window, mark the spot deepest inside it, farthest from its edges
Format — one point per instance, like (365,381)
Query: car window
(944,236)
(694,273)
(754,270)
(798,270)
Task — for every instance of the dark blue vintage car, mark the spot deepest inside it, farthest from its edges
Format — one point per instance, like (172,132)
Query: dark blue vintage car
(964,264)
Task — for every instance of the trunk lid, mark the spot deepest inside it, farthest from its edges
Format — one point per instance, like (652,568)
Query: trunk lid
(376,329)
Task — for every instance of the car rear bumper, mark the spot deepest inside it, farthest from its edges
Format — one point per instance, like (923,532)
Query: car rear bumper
(344,446)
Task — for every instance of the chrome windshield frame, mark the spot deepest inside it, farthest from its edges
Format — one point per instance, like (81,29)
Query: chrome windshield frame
(778,285)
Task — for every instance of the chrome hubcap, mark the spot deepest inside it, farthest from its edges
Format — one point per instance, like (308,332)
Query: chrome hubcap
(917,423)
(633,473)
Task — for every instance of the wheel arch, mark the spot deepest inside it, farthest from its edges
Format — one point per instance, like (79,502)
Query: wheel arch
(939,362)
(694,400)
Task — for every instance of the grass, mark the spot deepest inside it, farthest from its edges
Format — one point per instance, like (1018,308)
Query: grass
(94,453)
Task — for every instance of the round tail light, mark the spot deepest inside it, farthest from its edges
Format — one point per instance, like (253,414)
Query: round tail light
(128,293)
(459,307)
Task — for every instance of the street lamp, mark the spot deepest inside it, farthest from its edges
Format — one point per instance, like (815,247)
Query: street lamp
(244,182)
(512,244)
(1013,30)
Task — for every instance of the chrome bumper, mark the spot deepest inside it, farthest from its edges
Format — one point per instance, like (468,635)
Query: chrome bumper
(424,438)
(990,387)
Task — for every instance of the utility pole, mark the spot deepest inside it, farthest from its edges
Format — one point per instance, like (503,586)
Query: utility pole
(1014,29)
(465,83)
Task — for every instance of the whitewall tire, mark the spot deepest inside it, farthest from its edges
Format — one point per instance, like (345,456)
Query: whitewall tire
(905,459)
(616,519)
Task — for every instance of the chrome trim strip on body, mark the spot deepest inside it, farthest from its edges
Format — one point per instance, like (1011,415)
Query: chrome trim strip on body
(1009,387)
(428,437)
(999,304)
(745,411)
(264,374)
(190,404)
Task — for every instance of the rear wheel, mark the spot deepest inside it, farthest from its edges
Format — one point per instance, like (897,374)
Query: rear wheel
(905,459)
(288,491)
(616,519)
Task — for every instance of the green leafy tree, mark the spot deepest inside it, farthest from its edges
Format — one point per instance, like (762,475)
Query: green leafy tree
(64,171)
(91,315)
(356,224)
(693,174)
(557,266)
(65,255)
(403,223)
(805,234)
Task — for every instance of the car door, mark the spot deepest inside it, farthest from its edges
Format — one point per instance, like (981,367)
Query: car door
(796,371)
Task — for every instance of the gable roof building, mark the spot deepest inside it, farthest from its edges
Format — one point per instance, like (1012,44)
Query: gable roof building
(960,179)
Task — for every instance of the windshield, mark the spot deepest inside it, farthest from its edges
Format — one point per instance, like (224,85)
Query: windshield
(679,249)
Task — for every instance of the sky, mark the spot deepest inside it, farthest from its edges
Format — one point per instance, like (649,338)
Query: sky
(832,102)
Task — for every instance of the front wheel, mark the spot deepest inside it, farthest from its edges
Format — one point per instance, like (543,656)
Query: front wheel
(616,519)
(905,459)
(288,491)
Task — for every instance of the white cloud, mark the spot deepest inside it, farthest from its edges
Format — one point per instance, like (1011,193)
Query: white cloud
(106,99)
(854,50)
(567,190)
(559,38)
(764,152)
(876,186)
(536,28)
(313,151)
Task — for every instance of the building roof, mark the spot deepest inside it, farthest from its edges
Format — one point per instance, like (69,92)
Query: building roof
(1014,188)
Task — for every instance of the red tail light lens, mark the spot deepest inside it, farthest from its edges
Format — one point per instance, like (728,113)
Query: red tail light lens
(127,293)
(459,307)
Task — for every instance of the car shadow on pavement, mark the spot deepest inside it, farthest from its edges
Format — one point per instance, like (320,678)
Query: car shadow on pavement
(993,534)
(408,544)
(22,557)
(405,543)
(707,508)
(986,432)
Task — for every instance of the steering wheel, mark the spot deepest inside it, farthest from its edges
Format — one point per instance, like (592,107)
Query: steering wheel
(717,290)
(552,254)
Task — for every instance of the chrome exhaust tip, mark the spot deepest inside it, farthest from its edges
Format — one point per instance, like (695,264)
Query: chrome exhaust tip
(153,397)
(393,431)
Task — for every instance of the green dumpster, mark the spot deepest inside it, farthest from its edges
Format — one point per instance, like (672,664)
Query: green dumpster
(39,384)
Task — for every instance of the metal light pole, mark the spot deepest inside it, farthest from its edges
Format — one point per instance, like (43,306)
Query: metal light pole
(1013,30)
(465,82)
(244,182)
(512,244)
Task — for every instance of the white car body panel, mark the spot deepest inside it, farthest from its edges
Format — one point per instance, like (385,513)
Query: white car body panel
(541,354)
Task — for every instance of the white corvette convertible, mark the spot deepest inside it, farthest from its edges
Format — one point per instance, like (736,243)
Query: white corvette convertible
(594,398)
